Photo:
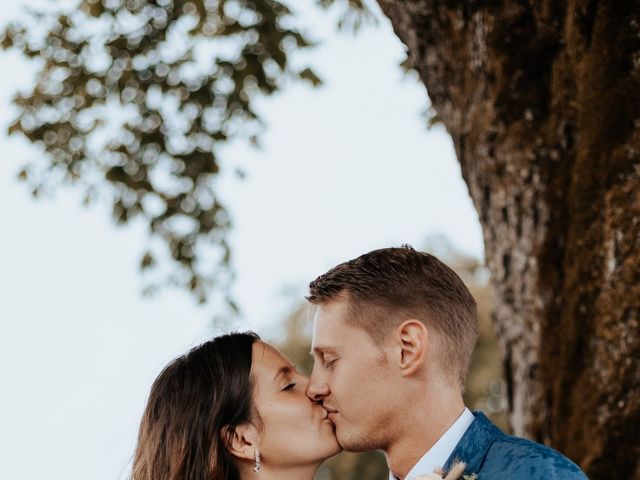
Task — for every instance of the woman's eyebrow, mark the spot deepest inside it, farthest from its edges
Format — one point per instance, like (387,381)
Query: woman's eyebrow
(282,371)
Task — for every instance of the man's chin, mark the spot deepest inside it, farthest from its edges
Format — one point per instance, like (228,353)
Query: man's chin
(353,444)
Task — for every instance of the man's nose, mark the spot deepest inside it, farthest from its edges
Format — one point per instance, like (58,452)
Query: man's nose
(317,389)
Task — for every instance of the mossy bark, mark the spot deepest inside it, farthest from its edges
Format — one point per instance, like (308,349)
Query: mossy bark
(542,100)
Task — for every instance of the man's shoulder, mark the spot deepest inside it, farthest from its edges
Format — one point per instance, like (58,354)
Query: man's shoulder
(494,455)
(523,458)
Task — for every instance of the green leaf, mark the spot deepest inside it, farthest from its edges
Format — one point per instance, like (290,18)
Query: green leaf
(308,75)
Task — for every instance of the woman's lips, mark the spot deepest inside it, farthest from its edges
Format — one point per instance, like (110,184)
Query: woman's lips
(331,413)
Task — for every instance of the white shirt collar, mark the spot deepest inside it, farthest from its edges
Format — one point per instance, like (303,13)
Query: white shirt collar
(440,452)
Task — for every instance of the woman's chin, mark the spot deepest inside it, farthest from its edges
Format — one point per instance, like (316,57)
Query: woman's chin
(330,446)
(335,447)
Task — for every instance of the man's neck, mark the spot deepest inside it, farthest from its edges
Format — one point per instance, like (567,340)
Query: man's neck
(421,427)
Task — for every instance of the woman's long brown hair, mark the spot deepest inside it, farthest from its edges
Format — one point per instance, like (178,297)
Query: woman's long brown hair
(193,408)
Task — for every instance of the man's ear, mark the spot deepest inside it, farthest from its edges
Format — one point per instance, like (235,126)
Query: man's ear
(413,343)
(242,441)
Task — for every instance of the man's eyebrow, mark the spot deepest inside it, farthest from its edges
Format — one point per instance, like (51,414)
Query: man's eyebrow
(282,371)
(320,349)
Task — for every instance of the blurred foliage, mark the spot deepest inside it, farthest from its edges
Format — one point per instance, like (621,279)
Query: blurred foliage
(353,14)
(485,388)
(133,101)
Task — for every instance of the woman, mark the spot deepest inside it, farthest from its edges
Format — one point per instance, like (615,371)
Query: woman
(233,408)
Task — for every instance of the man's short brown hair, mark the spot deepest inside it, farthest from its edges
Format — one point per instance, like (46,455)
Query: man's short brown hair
(386,286)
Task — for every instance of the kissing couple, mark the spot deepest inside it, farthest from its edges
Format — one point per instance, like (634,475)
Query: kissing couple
(392,338)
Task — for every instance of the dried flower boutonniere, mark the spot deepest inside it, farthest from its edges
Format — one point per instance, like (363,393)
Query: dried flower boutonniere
(455,473)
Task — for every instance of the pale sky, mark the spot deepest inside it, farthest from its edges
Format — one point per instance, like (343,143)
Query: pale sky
(345,169)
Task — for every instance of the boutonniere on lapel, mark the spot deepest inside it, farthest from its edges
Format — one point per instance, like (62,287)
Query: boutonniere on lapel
(456,473)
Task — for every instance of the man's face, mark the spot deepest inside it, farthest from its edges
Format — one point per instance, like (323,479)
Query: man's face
(351,378)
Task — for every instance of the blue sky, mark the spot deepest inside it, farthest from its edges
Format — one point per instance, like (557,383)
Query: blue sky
(343,169)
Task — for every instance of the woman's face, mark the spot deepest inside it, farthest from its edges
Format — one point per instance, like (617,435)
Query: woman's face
(295,431)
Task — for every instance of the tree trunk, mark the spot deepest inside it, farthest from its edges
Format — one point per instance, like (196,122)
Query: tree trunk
(542,100)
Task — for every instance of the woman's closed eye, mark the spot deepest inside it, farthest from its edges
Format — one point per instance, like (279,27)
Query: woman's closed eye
(290,386)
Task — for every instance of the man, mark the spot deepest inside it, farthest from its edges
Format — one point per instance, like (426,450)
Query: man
(392,338)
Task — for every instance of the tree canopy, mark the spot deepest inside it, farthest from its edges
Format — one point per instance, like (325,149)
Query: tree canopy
(134,100)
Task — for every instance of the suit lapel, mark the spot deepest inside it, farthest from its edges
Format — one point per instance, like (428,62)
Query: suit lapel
(475,443)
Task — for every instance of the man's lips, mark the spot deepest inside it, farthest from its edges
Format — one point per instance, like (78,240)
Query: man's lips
(331,413)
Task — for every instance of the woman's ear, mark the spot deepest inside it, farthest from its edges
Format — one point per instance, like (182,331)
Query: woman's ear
(242,441)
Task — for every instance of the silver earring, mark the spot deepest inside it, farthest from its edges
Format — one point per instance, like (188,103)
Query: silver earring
(257,467)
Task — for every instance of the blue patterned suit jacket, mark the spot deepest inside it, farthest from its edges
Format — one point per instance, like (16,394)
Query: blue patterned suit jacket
(493,455)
